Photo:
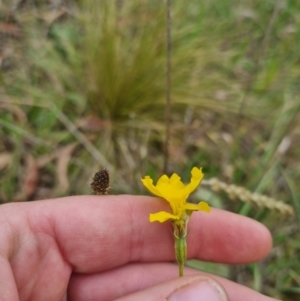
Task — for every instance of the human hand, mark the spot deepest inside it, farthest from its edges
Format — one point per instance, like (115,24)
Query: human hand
(104,248)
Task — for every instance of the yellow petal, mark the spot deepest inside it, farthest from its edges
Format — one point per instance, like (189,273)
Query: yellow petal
(175,181)
(162,216)
(148,183)
(164,179)
(191,207)
(203,206)
(196,178)
(171,188)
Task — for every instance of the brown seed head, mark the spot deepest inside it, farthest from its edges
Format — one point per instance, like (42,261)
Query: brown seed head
(100,182)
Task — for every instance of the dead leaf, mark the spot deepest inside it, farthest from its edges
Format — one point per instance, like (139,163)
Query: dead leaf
(16,111)
(92,123)
(50,16)
(10,29)
(5,159)
(45,159)
(29,181)
(30,176)
(63,159)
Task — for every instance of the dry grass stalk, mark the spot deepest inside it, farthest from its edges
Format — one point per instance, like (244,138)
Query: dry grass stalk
(237,192)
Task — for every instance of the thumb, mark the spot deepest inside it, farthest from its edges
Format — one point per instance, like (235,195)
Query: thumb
(189,288)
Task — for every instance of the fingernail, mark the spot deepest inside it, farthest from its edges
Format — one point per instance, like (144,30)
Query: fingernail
(203,290)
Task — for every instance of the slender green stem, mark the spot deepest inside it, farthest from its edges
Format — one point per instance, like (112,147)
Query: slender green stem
(168,87)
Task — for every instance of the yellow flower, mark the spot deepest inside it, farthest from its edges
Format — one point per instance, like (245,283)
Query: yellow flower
(176,193)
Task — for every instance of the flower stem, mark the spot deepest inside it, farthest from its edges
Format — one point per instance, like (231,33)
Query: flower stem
(180,234)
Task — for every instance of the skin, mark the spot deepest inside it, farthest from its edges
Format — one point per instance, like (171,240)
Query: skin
(97,247)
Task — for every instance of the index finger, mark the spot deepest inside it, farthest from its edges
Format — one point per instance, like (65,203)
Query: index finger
(96,233)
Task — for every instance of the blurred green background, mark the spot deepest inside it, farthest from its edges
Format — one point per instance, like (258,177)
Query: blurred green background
(82,87)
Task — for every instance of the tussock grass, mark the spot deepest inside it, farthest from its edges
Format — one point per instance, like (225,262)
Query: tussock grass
(93,73)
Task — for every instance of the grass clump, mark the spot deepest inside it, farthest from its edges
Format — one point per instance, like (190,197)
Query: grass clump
(82,85)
